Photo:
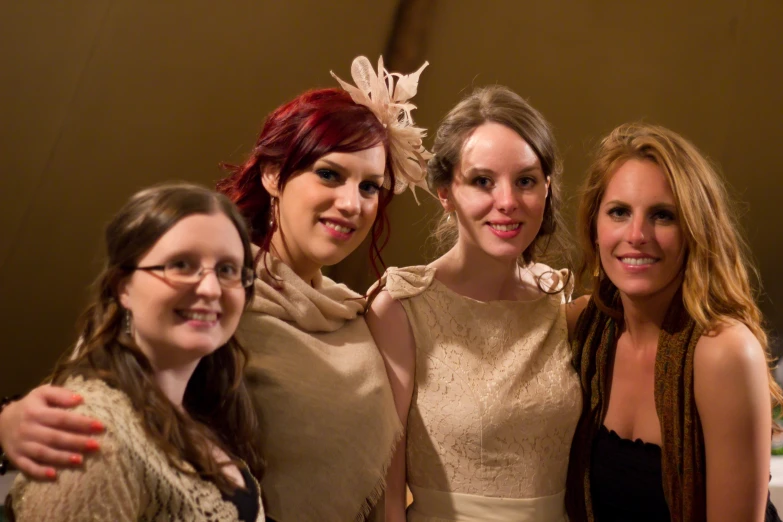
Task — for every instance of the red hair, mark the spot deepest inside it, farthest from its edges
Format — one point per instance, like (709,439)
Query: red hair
(294,136)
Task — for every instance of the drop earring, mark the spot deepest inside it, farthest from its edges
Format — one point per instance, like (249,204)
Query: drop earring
(127,323)
(272,212)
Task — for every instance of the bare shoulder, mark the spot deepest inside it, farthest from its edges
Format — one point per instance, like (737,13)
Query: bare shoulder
(385,307)
(389,324)
(730,349)
(730,373)
(573,310)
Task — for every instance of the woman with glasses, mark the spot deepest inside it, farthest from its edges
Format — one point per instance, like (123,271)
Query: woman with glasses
(317,183)
(158,365)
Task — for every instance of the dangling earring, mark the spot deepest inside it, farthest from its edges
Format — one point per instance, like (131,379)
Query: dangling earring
(127,323)
(597,269)
(448,216)
(272,212)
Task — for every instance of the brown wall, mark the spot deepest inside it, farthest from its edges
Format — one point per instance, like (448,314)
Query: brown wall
(101,98)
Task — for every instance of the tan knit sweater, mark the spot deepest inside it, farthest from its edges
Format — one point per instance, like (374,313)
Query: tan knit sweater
(128,480)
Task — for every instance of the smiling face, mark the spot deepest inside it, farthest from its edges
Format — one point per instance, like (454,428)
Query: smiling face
(640,240)
(176,324)
(326,211)
(498,192)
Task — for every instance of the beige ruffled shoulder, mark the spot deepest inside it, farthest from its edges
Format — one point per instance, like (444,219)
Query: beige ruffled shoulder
(552,280)
(402,283)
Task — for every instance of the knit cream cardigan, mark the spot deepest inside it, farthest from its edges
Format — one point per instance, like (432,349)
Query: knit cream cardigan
(130,479)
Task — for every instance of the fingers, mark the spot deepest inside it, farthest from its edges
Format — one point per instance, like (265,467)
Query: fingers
(59,397)
(38,435)
(44,406)
(57,441)
(68,421)
(45,456)
(35,470)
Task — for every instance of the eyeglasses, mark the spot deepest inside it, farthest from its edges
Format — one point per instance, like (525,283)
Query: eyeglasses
(228,275)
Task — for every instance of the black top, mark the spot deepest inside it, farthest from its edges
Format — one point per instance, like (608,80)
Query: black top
(246,500)
(626,481)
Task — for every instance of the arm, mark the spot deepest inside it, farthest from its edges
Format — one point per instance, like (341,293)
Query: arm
(393,335)
(37,433)
(733,400)
(107,488)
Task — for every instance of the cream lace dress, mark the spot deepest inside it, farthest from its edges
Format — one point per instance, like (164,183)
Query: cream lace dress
(495,402)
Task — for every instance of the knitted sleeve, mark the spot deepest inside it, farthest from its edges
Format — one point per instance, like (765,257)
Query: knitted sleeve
(106,488)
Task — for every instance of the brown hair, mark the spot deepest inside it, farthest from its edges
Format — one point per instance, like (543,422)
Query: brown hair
(217,403)
(716,284)
(499,104)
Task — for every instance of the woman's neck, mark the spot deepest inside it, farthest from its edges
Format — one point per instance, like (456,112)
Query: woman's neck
(473,273)
(174,381)
(296,261)
(643,316)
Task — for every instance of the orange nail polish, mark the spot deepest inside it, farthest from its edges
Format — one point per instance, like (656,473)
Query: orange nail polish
(91,445)
(96,426)
(76,398)
(75,459)
(50,473)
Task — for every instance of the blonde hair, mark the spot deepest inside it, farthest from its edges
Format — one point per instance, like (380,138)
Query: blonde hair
(716,283)
(498,104)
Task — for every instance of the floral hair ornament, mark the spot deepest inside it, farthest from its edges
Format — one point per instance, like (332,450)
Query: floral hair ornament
(390,104)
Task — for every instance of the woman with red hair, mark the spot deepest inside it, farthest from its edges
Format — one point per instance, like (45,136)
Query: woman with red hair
(317,183)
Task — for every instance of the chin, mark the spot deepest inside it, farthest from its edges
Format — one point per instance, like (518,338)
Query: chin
(332,256)
(502,251)
(640,291)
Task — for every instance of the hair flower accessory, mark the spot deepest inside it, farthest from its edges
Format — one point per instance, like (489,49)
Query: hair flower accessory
(390,104)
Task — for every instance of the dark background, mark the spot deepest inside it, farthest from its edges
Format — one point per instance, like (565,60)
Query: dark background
(101,98)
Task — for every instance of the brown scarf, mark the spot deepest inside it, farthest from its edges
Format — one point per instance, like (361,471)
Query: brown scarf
(682,448)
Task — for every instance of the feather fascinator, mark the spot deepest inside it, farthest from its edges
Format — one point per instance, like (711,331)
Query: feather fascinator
(390,103)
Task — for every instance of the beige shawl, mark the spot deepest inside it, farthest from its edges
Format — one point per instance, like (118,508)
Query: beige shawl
(327,413)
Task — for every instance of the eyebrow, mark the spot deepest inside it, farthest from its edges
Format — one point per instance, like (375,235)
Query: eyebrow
(222,257)
(336,166)
(657,206)
(479,170)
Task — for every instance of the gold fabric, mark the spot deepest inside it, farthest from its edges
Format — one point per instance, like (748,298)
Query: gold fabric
(328,421)
(128,480)
(496,400)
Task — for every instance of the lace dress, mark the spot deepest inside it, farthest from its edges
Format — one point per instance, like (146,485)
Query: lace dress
(495,402)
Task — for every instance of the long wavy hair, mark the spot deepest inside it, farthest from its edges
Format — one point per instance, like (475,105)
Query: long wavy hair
(717,268)
(498,104)
(293,137)
(218,408)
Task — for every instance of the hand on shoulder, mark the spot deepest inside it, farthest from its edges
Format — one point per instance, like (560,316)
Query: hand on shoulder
(39,433)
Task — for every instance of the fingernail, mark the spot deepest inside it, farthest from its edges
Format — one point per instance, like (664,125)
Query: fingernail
(96,426)
(75,459)
(76,398)
(50,473)
(91,445)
